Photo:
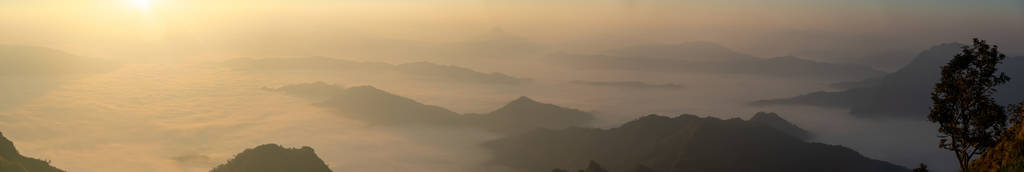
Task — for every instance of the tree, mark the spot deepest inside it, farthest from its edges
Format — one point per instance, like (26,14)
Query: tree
(970,121)
(921,168)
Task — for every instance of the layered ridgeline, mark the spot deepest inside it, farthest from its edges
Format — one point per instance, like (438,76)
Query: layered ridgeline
(29,72)
(906,92)
(12,161)
(629,84)
(683,143)
(39,61)
(705,57)
(380,107)
(416,70)
(274,158)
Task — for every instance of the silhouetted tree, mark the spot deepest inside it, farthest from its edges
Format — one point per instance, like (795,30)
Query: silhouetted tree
(970,121)
(594,167)
(922,168)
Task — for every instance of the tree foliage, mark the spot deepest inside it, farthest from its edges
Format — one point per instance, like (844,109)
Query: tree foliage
(970,121)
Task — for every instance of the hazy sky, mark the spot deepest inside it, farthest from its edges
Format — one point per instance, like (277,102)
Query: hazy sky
(813,29)
(148,115)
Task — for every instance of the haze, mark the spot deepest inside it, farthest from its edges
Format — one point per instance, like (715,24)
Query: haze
(185,85)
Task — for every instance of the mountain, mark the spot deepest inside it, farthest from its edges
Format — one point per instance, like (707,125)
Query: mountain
(274,158)
(629,84)
(373,105)
(906,92)
(773,120)
(377,106)
(316,91)
(12,161)
(524,114)
(39,61)
(1008,154)
(426,70)
(416,70)
(704,57)
(682,143)
(688,51)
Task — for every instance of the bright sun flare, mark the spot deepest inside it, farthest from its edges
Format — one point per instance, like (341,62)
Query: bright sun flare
(143,5)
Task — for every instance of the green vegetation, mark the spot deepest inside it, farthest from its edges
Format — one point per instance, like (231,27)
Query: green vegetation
(11,160)
(274,158)
(1008,154)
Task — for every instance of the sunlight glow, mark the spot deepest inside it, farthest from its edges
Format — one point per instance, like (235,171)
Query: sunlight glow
(143,5)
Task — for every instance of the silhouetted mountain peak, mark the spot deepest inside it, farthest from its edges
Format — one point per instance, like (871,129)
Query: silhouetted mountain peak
(773,120)
(526,106)
(274,158)
(766,116)
(928,60)
(527,114)
(523,100)
(688,51)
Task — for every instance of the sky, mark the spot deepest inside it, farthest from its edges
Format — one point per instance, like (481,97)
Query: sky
(838,31)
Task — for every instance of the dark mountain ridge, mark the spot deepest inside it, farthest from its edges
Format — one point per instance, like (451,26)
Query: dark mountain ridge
(274,158)
(773,120)
(12,161)
(377,106)
(906,92)
(682,143)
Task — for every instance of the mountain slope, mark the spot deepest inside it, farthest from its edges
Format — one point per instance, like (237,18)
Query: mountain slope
(11,160)
(524,114)
(377,106)
(371,104)
(32,61)
(773,120)
(705,57)
(274,158)
(905,93)
(683,143)
(341,67)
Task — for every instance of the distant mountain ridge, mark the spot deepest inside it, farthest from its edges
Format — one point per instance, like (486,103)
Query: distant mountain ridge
(36,61)
(12,161)
(706,57)
(415,70)
(906,92)
(629,84)
(377,106)
(682,143)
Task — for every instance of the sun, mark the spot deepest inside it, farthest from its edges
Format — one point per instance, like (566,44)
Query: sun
(142,5)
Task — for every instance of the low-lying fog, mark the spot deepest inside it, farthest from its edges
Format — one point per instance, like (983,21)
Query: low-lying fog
(192,116)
